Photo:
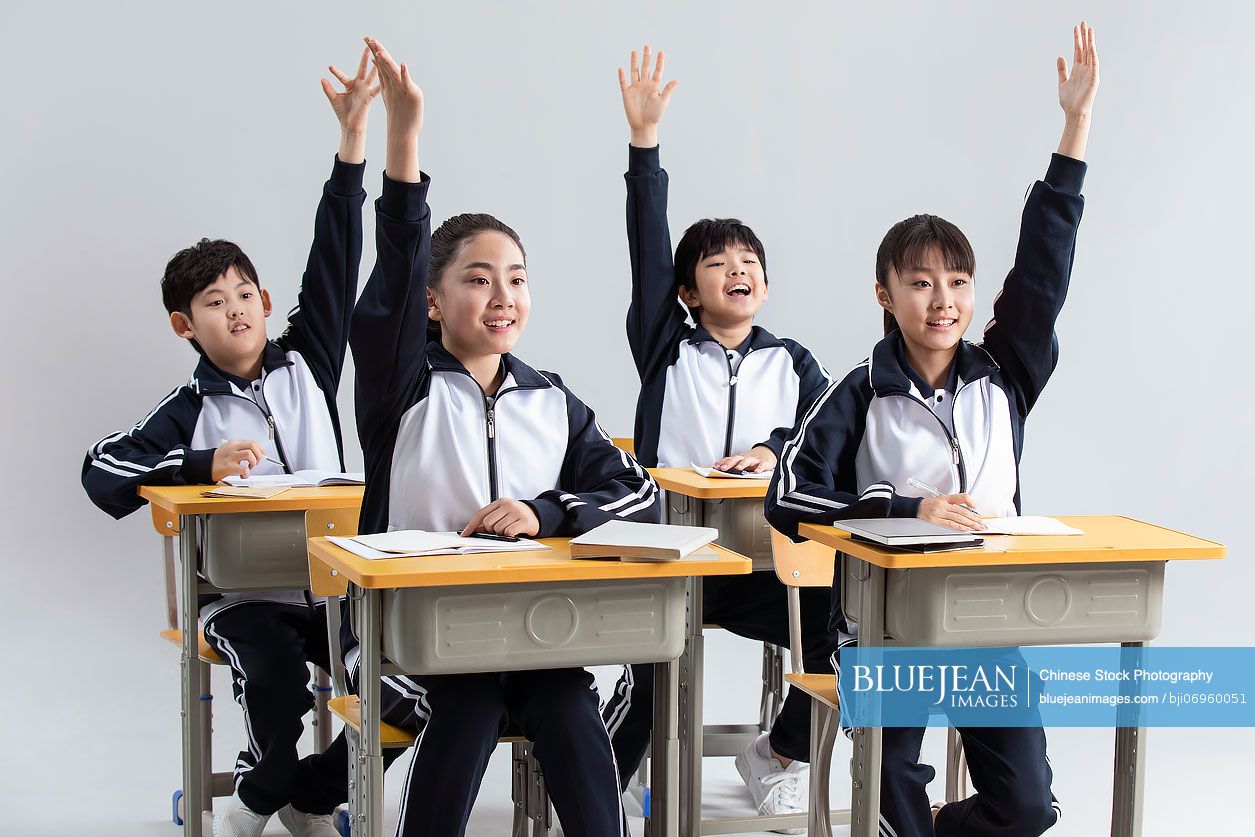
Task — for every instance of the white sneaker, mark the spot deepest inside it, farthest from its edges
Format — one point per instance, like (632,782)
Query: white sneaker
(774,788)
(301,824)
(239,821)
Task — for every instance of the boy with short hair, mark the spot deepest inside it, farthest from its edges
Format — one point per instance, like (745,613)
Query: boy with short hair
(260,406)
(722,392)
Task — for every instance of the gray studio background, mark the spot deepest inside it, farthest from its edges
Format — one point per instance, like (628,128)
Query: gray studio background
(132,129)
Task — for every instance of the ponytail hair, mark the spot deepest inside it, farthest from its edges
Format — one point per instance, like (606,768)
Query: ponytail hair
(447,242)
(907,244)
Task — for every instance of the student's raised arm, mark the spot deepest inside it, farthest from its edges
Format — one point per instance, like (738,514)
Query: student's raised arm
(656,319)
(389,330)
(1021,335)
(318,327)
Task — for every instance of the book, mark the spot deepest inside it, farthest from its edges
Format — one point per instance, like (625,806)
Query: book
(1028,525)
(907,533)
(628,541)
(410,543)
(256,492)
(298,479)
(713,473)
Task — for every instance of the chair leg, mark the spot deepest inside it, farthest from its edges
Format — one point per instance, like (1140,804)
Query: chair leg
(824,725)
(956,767)
(322,713)
(772,700)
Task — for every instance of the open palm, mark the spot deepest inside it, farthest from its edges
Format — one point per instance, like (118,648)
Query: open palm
(645,100)
(352,106)
(1077,89)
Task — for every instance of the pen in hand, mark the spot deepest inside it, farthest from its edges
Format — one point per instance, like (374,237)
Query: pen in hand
(244,462)
(932,491)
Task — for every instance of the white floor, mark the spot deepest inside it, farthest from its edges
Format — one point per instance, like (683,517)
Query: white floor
(90,722)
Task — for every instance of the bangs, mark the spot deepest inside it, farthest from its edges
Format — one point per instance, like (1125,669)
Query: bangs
(908,243)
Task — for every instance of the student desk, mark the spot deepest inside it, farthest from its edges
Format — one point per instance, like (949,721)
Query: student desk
(182,509)
(383,592)
(1048,578)
(694,500)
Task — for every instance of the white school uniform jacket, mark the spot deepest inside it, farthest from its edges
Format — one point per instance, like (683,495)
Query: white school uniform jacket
(436,448)
(290,409)
(851,454)
(699,401)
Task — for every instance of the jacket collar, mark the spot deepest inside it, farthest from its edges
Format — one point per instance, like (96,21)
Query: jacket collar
(889,377)
(525,377)
(759,338)
(208,379)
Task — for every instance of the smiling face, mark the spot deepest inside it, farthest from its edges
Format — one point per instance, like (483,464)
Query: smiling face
(227,318)
(932,302)
(481,298)
(730,287)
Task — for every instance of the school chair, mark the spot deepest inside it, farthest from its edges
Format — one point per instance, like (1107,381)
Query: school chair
(527,782)
(811,564)
(222,783)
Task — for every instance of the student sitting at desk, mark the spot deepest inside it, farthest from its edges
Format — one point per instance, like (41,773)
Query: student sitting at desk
(259,406)
(723,391)
(929,406)
(459,434)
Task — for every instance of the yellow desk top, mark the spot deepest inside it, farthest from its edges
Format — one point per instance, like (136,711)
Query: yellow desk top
(1107,539)
(187,499)
(554,564)
(688,482)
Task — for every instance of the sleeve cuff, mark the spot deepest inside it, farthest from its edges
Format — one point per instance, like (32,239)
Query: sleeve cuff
(550,513)
(1066,174)
(198,467)
(404,201)
(901,506)
(773,444)
(346,178)
(643,160)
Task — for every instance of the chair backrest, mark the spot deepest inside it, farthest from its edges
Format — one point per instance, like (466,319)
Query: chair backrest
(806,564)
(625,443)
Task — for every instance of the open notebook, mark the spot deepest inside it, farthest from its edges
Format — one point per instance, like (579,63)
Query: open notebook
(410,543)
(629,541)
(297,479)
(1028,525)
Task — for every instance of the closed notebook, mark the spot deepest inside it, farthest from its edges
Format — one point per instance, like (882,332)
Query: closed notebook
(298,479)
(629,541)
(907,533)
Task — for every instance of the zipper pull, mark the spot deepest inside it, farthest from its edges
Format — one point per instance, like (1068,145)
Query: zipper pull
(954,450)
(732,381)
(492,425)
(270,427)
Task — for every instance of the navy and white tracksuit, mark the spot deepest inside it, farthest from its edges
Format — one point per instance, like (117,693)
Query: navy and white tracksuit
(699,402)
(267,637)
(853,451)
(437,450)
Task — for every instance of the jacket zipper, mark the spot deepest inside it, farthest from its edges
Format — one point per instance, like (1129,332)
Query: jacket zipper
(490,405)
(272,431)
(956,453)
(733,378)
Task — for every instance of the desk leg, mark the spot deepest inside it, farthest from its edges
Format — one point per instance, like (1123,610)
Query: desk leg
(865,806)
(1130,762)
(664,753)
(197,795)
(366,801)
(691,715)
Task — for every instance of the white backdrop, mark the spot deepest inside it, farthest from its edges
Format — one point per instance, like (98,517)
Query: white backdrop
(134,129)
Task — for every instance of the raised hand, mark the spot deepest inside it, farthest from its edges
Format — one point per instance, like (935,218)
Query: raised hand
(1077,90)
(403,101)
(644,98)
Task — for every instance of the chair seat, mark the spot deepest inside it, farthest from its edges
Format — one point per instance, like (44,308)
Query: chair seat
(206,654)
(821,687)
(349,710)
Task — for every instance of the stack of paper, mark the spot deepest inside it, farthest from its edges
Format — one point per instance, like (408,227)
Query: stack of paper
(410,543)
(629,541)
(716,474)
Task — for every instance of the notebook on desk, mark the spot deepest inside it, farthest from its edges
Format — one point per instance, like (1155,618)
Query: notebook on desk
(630,541)
(412,543)
(298,479)
(714,473)
(908,533)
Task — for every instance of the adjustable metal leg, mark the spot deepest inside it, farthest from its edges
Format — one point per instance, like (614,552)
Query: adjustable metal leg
(1130,763)
(366,803)
(664,757)
(197,790)
(691,717)
(865,807)
(322,712)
